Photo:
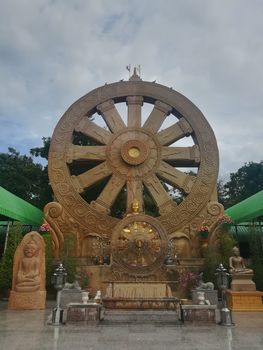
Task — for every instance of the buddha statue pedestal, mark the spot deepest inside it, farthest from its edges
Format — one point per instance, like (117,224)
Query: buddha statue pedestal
(27,300)
(243,295)
(245,301)
(242,282)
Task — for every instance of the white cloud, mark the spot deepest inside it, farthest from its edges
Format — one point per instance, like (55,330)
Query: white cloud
(51,53)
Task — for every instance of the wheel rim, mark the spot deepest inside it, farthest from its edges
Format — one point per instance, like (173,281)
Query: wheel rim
(134,155)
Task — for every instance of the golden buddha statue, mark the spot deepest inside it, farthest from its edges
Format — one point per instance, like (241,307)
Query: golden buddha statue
(135,206)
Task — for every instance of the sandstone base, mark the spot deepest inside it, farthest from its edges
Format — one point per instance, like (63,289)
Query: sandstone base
(199,314)
(242,283)
(245,301)
(141,304)
(85,313)
(27,301)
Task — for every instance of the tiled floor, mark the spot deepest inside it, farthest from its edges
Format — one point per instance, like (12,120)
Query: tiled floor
(27,330)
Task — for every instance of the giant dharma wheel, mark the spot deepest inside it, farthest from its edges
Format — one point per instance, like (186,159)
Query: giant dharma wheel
(133,155)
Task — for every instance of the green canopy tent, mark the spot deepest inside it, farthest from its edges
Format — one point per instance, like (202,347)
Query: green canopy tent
(17,209)
(13,208)
(246,221)
(247,210)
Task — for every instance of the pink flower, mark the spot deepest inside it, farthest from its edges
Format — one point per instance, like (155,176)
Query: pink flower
(44,228)
(225,219)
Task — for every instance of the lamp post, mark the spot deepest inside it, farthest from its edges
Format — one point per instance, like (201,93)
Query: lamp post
(58,279)
(222,284)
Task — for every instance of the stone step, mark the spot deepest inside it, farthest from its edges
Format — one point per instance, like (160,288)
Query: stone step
(141,316)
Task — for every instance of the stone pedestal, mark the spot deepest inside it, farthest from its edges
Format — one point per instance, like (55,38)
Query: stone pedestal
(245,301)
(70,296)
(242,282)
(91,313)
(27,300)
(199,314)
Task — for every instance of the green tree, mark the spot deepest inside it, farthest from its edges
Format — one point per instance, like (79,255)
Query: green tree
(215,257)
(247,181)
(67,256)
(6,264)
(48,259)
(256,248)
(21,176)
(42,151)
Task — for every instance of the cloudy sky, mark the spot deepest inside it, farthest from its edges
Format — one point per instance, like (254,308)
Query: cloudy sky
(53,52)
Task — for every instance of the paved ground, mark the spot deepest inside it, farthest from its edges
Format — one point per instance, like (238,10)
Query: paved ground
(27,330)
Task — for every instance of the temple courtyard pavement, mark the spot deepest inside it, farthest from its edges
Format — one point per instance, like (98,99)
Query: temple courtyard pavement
(28,330)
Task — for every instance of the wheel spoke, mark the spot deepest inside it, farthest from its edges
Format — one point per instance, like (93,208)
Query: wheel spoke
(90,177)
(86,153)
(134,191)
(134,111)
(175,132)
(182,156)
(109,194)
(156,118)
(111,116)
(158,193)
(88,128)
(176,177)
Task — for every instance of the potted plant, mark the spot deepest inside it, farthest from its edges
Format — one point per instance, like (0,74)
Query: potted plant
(204,231)
(85,280)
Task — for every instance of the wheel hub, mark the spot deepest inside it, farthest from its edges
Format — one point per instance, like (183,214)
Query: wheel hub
(134,152)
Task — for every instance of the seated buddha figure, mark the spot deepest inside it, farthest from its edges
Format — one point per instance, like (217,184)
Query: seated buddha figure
(236,263)
(28,274)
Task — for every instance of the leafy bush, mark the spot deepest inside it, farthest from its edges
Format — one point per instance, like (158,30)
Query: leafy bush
(67,256)
(256,248)
(214,258)
(49,259)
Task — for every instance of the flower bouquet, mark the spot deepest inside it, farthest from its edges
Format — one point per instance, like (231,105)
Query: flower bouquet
(44,228)
(188,280)
(224,219)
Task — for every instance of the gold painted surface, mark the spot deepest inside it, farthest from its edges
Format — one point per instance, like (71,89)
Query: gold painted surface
(134,152)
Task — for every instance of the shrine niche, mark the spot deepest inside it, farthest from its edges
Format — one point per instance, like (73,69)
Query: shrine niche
(180,245)
(128,142)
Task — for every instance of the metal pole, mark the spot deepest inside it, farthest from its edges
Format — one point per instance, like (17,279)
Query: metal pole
(222,282)
(6,236)
(58,309)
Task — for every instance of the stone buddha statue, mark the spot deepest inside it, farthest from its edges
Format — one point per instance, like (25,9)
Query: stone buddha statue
(241,276)
(28,275)
(236,263)
(28,284)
